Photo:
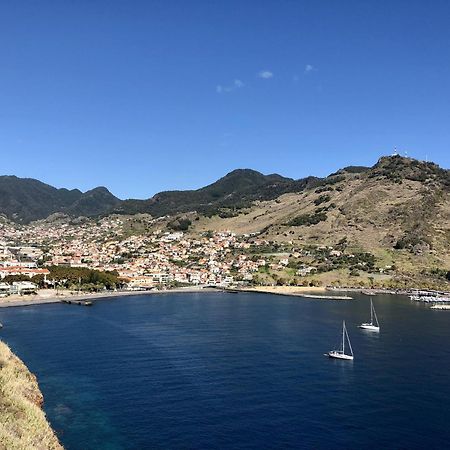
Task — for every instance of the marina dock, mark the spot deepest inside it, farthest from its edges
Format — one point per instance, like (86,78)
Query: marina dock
(327,297)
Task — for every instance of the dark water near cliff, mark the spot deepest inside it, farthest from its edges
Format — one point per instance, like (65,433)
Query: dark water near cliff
(208,371)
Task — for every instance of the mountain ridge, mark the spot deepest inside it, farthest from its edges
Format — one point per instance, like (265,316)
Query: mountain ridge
(26,199)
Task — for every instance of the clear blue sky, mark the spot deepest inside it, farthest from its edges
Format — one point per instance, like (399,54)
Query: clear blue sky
(143,96)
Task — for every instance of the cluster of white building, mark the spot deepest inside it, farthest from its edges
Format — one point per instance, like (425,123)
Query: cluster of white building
(17,288)
(143,259)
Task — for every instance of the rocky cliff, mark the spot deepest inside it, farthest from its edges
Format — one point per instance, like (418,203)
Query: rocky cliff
(23,424)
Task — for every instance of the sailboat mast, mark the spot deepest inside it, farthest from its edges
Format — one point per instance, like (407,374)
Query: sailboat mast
(343,337)
(349,343)
(371,311)
(376,318)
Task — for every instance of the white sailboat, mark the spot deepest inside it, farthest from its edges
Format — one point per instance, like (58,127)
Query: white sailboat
(340,354)
(371,326)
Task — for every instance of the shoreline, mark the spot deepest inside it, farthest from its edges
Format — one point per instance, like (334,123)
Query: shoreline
(9,302)
(320,293)
(295,291)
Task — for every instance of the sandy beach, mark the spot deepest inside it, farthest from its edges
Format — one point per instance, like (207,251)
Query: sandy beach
(288,290)
(319,293)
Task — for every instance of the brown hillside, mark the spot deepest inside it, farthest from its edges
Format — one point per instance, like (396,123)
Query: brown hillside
(399,210)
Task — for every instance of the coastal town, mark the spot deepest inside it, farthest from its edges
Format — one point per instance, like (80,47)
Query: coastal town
(141,261)
(142,253)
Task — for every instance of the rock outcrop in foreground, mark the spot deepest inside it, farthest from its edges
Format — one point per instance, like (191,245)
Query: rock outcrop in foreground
(23,424)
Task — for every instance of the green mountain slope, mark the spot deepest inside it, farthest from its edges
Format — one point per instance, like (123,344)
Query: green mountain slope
(26,199)
(236,189)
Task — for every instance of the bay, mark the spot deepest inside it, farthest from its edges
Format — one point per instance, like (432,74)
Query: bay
(238,371)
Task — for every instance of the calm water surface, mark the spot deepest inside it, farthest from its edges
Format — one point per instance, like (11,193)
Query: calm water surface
(241,371)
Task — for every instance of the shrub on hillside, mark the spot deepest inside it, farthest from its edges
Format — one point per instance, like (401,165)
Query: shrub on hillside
(322,199)
(179,224)
(308,219)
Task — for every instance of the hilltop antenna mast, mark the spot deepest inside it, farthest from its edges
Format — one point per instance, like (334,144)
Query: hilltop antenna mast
(395,153)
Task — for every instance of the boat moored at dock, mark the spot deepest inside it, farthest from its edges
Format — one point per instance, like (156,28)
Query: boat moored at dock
(430,297)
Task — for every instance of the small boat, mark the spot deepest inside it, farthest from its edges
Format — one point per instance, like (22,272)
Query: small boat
(77,302)
(340,354)
(373,315)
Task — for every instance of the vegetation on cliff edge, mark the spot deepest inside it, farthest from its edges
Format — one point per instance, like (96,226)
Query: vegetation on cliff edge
(23,424)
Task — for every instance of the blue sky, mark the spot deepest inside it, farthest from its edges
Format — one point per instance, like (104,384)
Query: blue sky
(143,96)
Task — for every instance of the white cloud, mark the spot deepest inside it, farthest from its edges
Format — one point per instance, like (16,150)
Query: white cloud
(266,74)
(309,68)
(237,84)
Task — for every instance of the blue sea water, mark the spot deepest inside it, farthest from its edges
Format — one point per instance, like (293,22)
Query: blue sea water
(237,371)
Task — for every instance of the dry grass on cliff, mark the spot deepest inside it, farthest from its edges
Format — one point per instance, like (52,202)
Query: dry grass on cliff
(23,424)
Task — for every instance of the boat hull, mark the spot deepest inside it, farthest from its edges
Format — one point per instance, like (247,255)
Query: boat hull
(369,327)
(338,355)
